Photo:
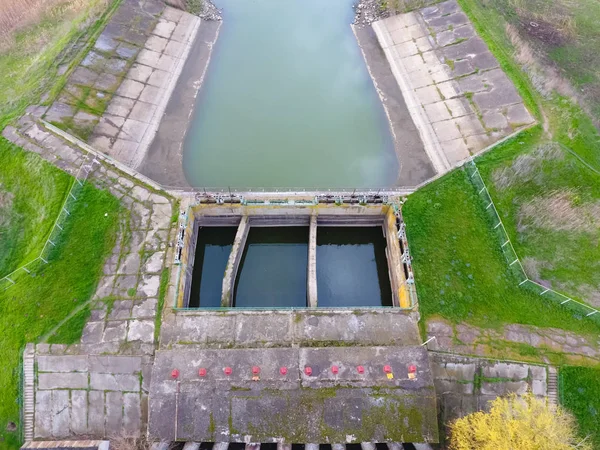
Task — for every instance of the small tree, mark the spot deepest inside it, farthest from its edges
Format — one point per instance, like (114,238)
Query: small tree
(517,423)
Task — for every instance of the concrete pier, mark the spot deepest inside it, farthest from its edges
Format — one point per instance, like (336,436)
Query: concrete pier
(395,446)
(233,263)
(312,263)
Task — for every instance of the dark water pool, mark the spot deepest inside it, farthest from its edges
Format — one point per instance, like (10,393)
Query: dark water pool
(212,252)
(352,267)
(273,269)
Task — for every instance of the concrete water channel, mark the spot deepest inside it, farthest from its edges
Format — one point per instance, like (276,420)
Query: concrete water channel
(287,101)
(351,269)
(279,96)
(293,257)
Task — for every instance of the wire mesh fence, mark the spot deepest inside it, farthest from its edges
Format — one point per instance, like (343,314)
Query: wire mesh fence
(34,266)
(579,310)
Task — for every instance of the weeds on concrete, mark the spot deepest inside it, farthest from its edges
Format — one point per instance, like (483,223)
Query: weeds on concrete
(162,293)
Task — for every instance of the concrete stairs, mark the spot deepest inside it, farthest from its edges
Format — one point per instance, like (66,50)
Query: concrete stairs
(28,392)
(553,385)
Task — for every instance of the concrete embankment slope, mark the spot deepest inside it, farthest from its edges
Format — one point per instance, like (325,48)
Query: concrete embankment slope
(459,98)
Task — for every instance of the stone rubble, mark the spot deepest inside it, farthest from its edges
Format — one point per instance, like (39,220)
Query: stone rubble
(368,11)
(210,11)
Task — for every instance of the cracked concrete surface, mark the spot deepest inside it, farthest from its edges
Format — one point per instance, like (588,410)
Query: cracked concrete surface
(466,384)
(131,119)
(459,98)
(93,83)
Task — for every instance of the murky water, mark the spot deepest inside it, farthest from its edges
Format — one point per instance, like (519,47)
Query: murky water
(273,268)
(287,101)
(212,253)
(352,267)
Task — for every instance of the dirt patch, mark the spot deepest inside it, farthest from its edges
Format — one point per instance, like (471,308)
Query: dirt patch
(544,32)
(20,15)
(6,201)
(545,76)
(560,211)
(591,294)
(552,25)
(525,167)
(533,267)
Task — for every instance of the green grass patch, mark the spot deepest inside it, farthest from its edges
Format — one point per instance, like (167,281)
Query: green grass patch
(31,195)
(568,123)
(579,390)
(549,202)
(461,273)
(39,302)
(70,331)
(162,293)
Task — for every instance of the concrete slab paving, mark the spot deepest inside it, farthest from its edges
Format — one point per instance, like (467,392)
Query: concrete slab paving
(253,407)
(99,74)
(453,68)
(142,96)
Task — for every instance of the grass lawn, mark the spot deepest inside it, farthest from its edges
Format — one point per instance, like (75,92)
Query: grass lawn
(579,389)
(38,303)
(35,65)
(460,271)
(31,195)
(546,185)
(550,204)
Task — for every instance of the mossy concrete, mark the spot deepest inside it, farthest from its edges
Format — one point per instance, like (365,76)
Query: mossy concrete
(322,407)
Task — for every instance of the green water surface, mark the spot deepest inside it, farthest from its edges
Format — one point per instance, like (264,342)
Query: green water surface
(288,102)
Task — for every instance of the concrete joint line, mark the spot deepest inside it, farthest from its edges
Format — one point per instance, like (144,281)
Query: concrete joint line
(430,141)
(101,156)
(164,101)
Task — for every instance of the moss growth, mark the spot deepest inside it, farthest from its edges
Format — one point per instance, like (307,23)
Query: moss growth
(211,425)
(162,292)
(392,417)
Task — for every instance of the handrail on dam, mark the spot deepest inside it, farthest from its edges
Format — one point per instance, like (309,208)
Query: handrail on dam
(295,198)
(292,192)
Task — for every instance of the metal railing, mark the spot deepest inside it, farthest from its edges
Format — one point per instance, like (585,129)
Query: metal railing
(44,256)
(578,308)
